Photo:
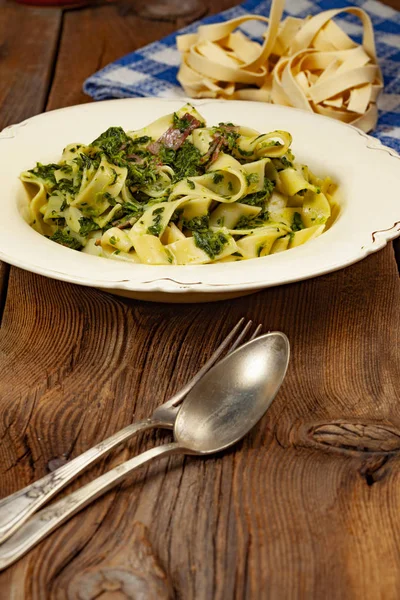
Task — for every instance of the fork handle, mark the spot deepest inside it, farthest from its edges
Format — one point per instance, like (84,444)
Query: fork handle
(48,519)
(15,509)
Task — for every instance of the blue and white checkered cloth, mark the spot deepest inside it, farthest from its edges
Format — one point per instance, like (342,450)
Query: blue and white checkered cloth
(152,70)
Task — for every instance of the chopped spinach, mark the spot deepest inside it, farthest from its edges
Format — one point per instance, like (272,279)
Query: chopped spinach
(286,163)
(115,177)
(187,161)
(45,172)
(177,215)
(143,174)
(260,198)
(297,223)
(185,122)
(281,163)
(140,141)
(217,178)
(228,134)
(167,155)
(245,152)
(119,149)
(180,123)
(212,243)
(67,186)
(130,209)
(67,169)
(63,238)
(252,222)
(159,211)
(199,223)
(252,178)
(86,226)
(155,228)
(87,161)
(112,141)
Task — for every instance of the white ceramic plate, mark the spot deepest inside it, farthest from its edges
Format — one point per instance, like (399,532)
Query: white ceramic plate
(367,172)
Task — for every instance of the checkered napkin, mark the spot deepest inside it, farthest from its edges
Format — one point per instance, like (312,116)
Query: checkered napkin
(152,70)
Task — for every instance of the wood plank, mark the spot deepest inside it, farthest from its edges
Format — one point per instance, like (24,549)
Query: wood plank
(393,3)
(26,60)
(4,274)
(108,30)
(94,37)
(304,507)
(396,247)
(287,511)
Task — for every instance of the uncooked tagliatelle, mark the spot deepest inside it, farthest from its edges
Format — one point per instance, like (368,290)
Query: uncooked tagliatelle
(305,63)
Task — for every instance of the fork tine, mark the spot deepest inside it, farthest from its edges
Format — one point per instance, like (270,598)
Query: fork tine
(256,333)
(179,396)
(243,334)
(163,416)
(240,337)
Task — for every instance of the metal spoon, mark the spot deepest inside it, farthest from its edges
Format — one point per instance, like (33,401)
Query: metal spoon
(228,401)
(18,507)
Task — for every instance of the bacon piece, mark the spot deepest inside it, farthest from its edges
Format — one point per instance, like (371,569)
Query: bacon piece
(154,147)
(217,150)
(226,127)
(173,138)
(219,140)
(213,150)
(136,158)
(125,224)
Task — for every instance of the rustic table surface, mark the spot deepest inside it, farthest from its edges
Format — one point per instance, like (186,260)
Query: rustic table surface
(307,506)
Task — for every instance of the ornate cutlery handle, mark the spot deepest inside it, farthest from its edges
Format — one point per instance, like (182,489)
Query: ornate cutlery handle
(48,519)
(15,509)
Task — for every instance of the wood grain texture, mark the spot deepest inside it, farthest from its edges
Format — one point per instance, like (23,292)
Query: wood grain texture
(393,3)
(27,57)
(396,246)
(138,575)
(26,62)
(112,31)
(278,513)
(95,36)
(4,273)
(305,507)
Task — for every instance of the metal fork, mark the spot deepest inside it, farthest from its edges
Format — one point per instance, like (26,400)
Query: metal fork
(17,508)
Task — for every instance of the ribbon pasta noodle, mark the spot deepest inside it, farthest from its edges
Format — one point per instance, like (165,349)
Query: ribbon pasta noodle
(306,63)
(180,192)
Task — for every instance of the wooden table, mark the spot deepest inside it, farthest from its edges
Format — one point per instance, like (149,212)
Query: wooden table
(307,506)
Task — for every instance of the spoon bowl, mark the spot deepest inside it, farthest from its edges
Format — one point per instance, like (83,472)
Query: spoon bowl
(233,396)
(227,402)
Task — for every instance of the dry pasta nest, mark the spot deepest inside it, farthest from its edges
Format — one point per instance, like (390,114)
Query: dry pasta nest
(305,63)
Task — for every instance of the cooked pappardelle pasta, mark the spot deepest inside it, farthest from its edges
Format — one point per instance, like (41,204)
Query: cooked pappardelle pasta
(179,192)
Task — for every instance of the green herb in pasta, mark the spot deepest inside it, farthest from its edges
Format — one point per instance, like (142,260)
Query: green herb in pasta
(180,192)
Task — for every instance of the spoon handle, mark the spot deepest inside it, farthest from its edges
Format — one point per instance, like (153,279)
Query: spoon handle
(48,519)
(18,507)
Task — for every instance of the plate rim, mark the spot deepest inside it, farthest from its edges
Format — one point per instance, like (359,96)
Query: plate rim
(171,285)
